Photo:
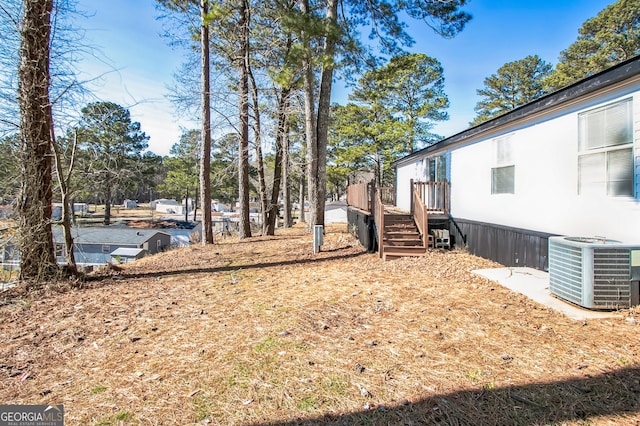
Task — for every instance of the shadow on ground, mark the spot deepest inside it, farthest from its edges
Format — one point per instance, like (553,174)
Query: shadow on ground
(229,267)
(582,400)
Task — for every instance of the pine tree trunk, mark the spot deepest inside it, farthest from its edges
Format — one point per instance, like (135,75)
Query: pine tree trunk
(67,203)
(37,256)
(262,186)
(324,106)
(186,205)
(107,204)
(205,152)
(243,106)
(195,205)
(301,218)
(277,168)
(309,121)
(286,170)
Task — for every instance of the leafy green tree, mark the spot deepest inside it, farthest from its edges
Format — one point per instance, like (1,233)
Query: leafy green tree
(151,173)
(613,36)
(411,86)
(365,137)
(391,113)
(111,146)
(516,83)
(224,169)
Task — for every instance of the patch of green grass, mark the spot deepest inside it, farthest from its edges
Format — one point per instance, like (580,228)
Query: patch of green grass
(98,389)
(307,403)
(334,386)
(266,345)
(122,416)
(204,407)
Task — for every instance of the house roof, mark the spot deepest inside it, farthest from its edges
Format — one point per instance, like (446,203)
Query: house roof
(127,252)
(107,235)
(611,77)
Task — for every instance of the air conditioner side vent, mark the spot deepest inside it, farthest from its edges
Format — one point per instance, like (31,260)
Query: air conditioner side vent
(565,271)
(611,278)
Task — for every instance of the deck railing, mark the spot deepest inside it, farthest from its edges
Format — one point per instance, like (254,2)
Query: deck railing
(377,210)
(436,196)
(420,217)
(358,196)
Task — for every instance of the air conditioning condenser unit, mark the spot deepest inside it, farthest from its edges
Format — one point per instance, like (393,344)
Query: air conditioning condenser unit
(594,273)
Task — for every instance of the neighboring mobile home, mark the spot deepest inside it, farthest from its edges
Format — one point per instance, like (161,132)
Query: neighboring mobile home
(99,245)
(566,164)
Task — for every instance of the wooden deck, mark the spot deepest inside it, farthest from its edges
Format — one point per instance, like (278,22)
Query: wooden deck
(400,233)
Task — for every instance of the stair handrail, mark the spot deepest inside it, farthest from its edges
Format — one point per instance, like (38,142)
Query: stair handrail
(420,216)
(377,209)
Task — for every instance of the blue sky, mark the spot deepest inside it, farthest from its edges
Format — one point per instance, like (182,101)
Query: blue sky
(127,46)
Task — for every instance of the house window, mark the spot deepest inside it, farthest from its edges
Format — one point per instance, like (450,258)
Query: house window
(106,248)
(438,169)
(158,245)
(59,250)
(503,174)
(605,151)
(502,180)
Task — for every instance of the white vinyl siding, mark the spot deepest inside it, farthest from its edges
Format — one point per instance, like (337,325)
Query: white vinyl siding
(605,157)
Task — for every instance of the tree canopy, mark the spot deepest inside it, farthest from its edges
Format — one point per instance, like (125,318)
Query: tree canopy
(611,37)
(391,111)
(515,84)
(112,147)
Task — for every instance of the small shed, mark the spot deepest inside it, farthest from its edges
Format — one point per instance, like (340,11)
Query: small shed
(130,204)
(126,254)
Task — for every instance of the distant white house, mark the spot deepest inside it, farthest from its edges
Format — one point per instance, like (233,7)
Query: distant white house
(217,206)
(565,164)
(168,206)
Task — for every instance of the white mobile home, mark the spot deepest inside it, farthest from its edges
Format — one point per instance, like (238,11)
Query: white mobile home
(566,164)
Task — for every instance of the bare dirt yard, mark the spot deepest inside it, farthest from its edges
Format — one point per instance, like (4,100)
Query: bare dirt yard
(263,332)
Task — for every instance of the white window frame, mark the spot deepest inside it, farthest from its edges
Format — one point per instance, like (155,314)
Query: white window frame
(605,133)
(503,174)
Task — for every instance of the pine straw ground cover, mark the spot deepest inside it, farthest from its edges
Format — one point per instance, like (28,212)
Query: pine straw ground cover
(263,332)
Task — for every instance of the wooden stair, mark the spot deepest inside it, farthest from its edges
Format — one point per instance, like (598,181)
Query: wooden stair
(401,237)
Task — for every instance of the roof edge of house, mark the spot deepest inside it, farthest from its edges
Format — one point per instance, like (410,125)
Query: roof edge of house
(609,77)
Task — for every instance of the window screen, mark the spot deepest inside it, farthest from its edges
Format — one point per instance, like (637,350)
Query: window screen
(503,180)
(503,175)
(605,160)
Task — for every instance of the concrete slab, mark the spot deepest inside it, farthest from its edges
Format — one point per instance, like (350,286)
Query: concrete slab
(535,285)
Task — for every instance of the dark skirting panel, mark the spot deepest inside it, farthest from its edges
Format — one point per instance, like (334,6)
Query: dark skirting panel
(361,226)
(505,245)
